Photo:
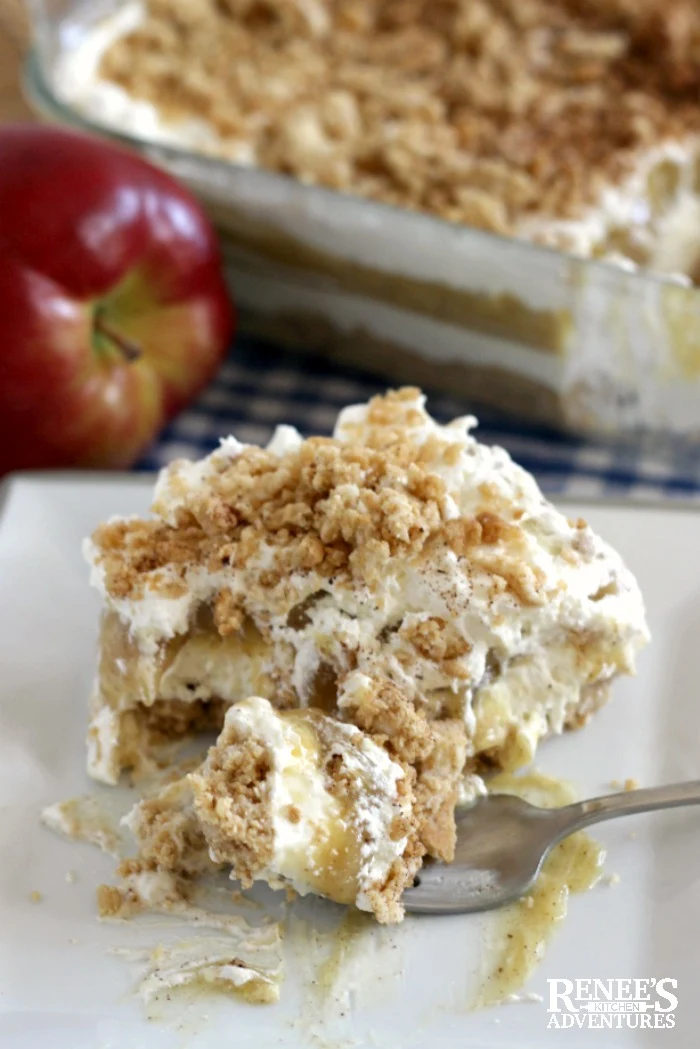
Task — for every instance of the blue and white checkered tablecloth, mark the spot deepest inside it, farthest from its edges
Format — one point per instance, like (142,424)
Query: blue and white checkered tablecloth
(261,385)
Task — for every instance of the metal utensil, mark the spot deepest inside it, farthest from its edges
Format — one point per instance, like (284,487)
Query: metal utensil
(502,842)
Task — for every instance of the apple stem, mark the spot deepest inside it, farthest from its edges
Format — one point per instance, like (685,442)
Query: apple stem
(129,350)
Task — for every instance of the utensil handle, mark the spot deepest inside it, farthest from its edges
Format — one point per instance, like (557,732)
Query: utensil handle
(627,803)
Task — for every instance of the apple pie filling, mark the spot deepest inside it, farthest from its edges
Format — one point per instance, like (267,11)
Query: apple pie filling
(143,699)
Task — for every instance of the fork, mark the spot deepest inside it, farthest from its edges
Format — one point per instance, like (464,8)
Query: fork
(502,842)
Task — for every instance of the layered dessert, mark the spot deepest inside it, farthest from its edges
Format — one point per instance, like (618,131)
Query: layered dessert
(371,620)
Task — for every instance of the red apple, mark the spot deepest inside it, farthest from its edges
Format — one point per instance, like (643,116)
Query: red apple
(113,309)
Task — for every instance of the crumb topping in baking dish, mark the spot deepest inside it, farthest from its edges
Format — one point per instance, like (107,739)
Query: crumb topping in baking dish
(486,112)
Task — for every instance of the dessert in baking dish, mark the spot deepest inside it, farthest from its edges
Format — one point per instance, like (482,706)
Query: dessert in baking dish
(567,123)
(575,124)
(404,604)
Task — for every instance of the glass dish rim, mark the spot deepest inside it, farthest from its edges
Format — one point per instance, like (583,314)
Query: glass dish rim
(41,97)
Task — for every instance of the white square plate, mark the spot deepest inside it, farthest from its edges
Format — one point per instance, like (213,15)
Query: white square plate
(59,985)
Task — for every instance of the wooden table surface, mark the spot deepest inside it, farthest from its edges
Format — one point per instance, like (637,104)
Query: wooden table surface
(14,34)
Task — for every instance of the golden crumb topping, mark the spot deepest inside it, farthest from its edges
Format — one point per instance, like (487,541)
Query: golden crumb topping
(383,712)
(480,111)
(332,508)
(432,754)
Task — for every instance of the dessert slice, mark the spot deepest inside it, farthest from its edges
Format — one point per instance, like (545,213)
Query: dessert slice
(399,575)
(407,610)
(302,799)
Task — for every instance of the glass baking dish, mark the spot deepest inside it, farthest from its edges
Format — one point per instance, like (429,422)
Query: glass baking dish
(583,345)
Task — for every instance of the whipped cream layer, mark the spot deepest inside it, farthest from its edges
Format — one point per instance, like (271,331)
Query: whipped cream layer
(282,295)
